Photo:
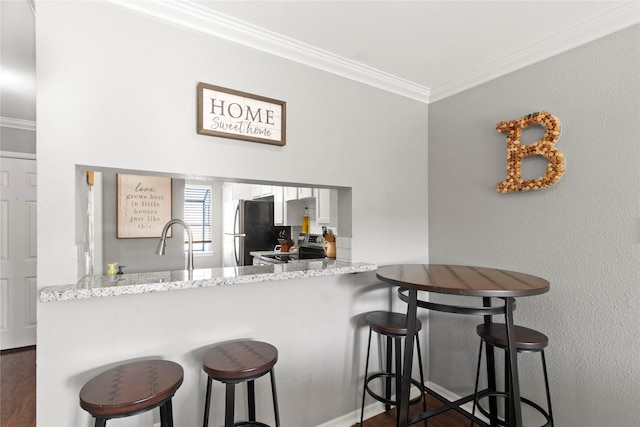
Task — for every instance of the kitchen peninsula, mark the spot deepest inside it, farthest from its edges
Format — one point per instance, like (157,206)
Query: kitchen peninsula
(141,283)
(304,308)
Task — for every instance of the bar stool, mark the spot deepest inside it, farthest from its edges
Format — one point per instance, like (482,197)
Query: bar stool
(526,341)
(394,327)
(131,389)
(235,362)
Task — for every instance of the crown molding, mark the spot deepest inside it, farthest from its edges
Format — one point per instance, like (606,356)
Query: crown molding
(186,14)
(190,15)
(9,122)
(616,19)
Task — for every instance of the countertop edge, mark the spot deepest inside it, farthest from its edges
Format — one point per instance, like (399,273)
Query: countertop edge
(103,286)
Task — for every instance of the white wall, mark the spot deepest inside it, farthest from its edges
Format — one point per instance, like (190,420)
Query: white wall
(118,90)
(124,95)
(138,255)
(581,234)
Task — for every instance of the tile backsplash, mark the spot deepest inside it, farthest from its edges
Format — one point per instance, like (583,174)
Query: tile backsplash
(343,248)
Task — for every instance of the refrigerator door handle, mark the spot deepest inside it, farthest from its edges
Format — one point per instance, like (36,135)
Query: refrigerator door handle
(236,235)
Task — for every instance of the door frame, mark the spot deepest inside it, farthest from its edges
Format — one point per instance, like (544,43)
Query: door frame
(20,156)
(17,155)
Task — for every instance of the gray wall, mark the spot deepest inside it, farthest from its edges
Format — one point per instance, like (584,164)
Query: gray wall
(581,234)
(138,255)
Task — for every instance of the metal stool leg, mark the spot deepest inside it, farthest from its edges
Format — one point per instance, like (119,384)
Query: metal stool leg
(163,415)
(398,356)
(275,397)
(207,403)
(424,395)
(229,404)
(366,373)
(101,422)
(546,384)
(510,414)
(251,397)
(475,390)
(166,414)
(387,389)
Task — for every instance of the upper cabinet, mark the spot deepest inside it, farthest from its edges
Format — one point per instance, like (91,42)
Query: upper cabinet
(290,193)
(279,217)
(305,192)
(289,203)
(298,193)
(258,191)
(327,207)
(235,191)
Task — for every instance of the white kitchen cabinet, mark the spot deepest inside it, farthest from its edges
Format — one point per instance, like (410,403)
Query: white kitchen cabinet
(305,192)
(258,191)
(327,207)
(278,206)
(294,211)
(290,193)
(235,191)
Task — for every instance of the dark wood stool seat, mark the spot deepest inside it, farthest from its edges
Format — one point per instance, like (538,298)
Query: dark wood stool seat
(390,323)
(526,341)
(236,362)
(132,388)
(394,327)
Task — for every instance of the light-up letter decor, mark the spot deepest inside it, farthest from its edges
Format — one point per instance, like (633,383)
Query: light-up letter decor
(544,147)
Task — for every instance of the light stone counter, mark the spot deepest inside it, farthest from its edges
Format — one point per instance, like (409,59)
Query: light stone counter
(142,283)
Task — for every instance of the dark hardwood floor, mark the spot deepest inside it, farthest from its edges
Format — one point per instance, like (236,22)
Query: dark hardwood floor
(446,419)
(18,387)
(18,396)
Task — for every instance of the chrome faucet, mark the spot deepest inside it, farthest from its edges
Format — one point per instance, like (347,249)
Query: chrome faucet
(162,244)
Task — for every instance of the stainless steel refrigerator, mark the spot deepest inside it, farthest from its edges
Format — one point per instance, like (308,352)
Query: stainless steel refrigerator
(248,226)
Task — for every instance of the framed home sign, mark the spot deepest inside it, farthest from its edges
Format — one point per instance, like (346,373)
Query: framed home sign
(143,205)
(239,115)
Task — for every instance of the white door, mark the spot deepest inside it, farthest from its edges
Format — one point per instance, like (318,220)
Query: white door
(17,252)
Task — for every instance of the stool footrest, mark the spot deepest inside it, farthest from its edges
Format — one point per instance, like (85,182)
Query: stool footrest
(492,393)
(392,376)
(250,424)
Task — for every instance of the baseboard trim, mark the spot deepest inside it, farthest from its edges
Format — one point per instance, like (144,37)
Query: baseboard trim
(377,408)
(353,417)
(17,349)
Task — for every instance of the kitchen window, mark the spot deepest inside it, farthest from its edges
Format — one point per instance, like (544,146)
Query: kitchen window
(197,213)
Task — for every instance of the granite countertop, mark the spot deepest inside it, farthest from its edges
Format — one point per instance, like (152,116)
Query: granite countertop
(142,283)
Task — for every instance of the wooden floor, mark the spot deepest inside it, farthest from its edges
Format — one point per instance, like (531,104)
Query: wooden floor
(18,396)
(18,387)
(446,419)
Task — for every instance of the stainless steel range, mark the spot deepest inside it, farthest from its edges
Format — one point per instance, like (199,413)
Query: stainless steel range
(309,247)
(278,258)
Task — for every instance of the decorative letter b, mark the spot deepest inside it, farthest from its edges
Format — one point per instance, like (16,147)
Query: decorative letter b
(544,147)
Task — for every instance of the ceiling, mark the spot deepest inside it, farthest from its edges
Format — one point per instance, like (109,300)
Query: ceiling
(425,50)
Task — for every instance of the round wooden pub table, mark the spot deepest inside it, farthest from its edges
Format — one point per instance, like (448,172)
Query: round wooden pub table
(466,281)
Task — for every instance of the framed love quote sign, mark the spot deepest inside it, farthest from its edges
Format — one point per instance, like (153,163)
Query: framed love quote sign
(143,204)
(233,114)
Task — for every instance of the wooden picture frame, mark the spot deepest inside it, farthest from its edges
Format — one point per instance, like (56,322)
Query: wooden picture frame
(144,205)
(234,114)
